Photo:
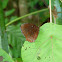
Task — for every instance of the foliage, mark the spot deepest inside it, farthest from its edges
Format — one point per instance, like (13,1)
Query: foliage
(43,16)
(4,3)
(58,12)
(4,56)
(3,34)
(15,39)
(35,5)
(12,36)
(47,47)
(26,16)
(58,5)
(7,13)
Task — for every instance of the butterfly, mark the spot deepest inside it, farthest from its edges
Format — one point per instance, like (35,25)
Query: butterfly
(30,31)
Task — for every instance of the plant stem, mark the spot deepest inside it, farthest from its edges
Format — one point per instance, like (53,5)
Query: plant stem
(50,11)
(26,16)
(3,34)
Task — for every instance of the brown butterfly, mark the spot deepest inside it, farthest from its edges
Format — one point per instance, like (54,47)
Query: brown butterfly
(30,31)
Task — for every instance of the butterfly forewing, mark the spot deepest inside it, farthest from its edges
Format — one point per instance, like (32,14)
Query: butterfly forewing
(30,31)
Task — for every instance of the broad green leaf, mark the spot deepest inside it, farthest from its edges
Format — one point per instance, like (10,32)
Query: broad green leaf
(4,56)
(7,13)
(47,47)
(16,40)
(4,3)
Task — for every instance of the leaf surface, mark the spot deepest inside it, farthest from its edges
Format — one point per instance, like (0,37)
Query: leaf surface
(4,57)
(47,47)
(16,40)
(4,3)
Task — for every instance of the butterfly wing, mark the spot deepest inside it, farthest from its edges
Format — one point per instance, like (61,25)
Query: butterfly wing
(30,31)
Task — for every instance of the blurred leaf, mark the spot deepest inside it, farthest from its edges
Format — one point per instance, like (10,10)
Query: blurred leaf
(17,59)
(52,4)
(3,34)
(4,3)
(7,13)
(41,3)
(47,2)
(33,3)
(4,56)
(6,20)
(61,0)
(16,40)
(44,16)
(58,6)
(47,47)
(13,17)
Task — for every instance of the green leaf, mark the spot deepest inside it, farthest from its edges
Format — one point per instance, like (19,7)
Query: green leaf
(33,3)
(58,6)
(7,13)
(16,40)
(44,16)
(47,2)
(61,0)
(47,47)
(41,3)
(17,60)
(3,34)
(52,3)
(4,56)
(13,17)
(6,20)
(4,3)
